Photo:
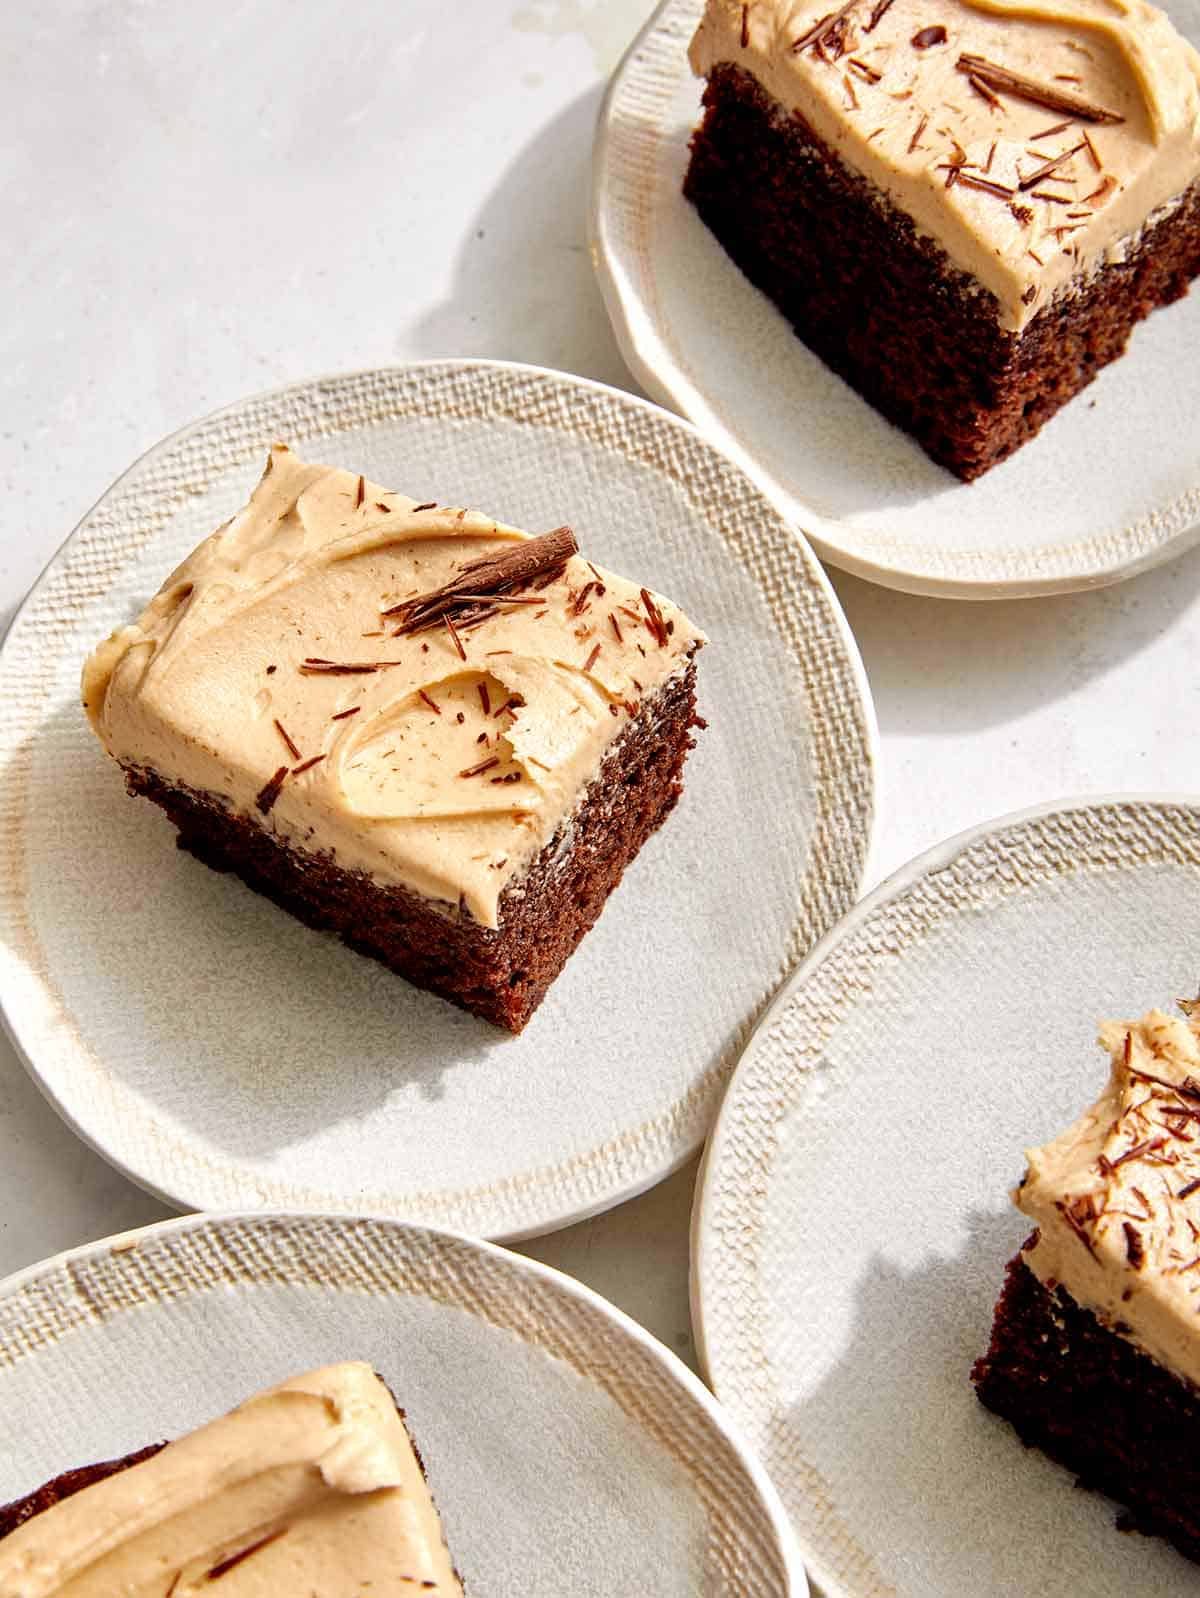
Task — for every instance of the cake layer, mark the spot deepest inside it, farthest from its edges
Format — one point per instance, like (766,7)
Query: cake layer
(312,1486)
(298,668)
(499,974)
(1031,140)
(1094,1403)
(884,306)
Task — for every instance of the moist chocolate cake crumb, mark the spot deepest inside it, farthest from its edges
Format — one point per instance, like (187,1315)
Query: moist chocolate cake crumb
(885,308)
(501,975)
(1095,1403)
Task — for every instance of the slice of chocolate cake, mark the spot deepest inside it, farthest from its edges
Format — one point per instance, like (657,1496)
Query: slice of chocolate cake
(962,206)
(311,1487)
(1095,1350)
(426,731)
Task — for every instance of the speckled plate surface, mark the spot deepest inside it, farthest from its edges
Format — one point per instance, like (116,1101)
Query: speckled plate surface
(568,1451)
(854,1225)
(1109,487)
(223,1055)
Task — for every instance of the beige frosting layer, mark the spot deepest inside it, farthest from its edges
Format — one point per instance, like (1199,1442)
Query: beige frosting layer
(312,1487)
(890,99)
(1117,1197)
(210,687)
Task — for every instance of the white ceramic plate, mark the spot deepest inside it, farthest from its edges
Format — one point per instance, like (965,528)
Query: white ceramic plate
(568,1451)
(1111,486)
(226,1057)
(854,1223)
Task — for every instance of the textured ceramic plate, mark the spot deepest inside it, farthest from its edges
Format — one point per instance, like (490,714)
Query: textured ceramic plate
(854,1221)
(226,1057)
(1111,486)
(568,1451)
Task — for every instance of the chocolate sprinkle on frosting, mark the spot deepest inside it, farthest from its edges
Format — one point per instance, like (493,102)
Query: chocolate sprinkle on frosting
(1022,88)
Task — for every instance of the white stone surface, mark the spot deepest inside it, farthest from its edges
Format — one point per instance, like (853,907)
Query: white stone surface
(203,203)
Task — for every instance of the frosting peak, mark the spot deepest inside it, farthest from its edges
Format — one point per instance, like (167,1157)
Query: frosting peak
(270,671)
(1116,1198)
(953,112)
(310,1486)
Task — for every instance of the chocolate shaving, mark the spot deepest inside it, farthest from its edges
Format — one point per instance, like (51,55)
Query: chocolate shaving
(822,28)
(1134,1252)
(432,703)
(868,74)
(592,658)
(915,140)
(928,36)
(745,26)
(1021,88)
(266,796)
(1188,1188)
(1091,150)
(657,627)
(480,588)
(379,505)
(1022,213)
(225,1565)
(430,504)
(1048,133)
(362,489)
(1054,199)
(454,638)
(1189,1088)
(982,90)
(1101,193)
(484,698)
(342,714)
(877,15)
(1137,1152)
(616,626)
(342,668)
(307,765)
(289,743)
(1052,165)
(484,765)
(851,97)
(985,185)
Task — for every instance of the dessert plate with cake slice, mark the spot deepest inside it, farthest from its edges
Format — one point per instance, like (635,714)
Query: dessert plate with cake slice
(351,1403)
(979,218)
(855,1221)
(425,679)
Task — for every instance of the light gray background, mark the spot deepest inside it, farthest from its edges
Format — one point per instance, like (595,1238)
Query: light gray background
(198,211)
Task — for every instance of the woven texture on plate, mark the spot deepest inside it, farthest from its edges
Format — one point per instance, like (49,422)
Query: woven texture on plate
(785,1064)
(386,1260)
(808,622)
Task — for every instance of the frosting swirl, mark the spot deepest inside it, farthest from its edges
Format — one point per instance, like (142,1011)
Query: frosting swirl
(312,1486)
(269,673)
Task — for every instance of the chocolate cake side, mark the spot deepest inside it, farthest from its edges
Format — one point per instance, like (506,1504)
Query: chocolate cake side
(502,975)
(886,309)
(1095,1403)
(67,1485)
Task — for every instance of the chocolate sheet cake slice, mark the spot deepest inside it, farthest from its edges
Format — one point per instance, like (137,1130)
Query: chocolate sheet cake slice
(410,724)
(962,206)
(1095,1350)
(313,1486)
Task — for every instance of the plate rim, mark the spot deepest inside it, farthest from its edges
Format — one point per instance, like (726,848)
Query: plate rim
(657,372)
(685,1380)
(703,1242)
(556,1216)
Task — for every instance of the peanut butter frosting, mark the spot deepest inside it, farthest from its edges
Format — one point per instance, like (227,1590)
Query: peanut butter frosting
(1032,140)
(273,671)
(312,1487)
(1117,1197)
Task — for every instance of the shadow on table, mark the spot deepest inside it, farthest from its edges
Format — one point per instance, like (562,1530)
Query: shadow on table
(528,249)
(955,666)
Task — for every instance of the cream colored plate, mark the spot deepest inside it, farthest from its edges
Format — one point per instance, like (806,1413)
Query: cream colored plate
(569,1452)
(853,1224)
(1110,487)
(223,1055)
